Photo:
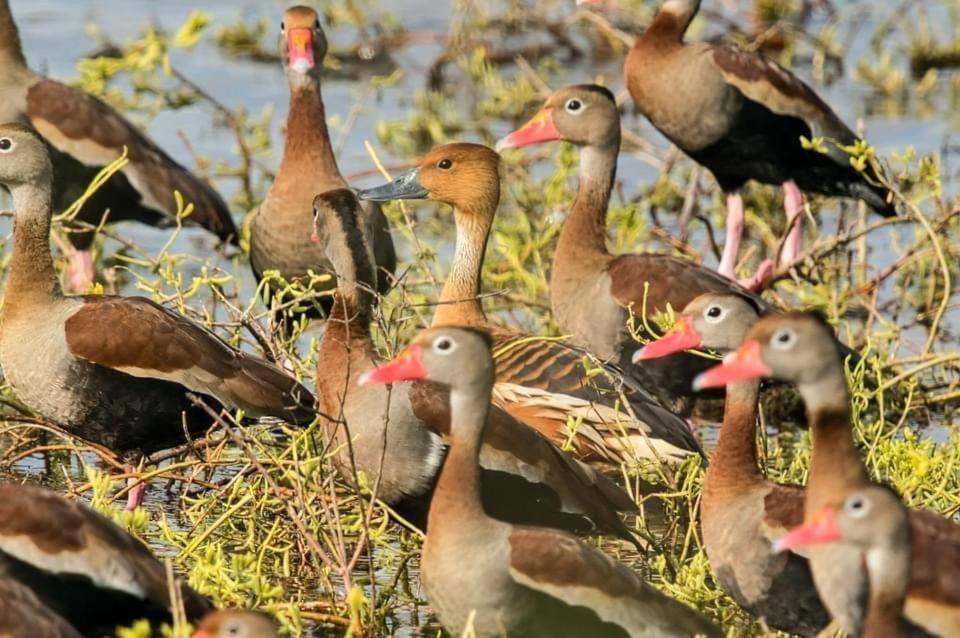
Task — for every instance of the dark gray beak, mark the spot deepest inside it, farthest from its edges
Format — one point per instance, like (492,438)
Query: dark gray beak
(406,186)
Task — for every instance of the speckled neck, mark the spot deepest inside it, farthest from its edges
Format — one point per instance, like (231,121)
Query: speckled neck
(459,302)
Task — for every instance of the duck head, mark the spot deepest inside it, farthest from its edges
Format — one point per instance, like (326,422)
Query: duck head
(458,358)
(796,347)
(24,158)
(584,114)
(303,44)
(716,321)
(463,175)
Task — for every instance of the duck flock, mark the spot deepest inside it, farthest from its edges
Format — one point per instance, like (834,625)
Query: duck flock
(465,433)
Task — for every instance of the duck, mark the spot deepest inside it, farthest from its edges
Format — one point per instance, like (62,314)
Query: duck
(593,293)
(743,117)
(742,513)
(799,348)
(85,134)
(543,382)
(22,615)
(491,578)
(872,522)
(279,240)
(395,440)
(82,567)
(236,623)
(126,387)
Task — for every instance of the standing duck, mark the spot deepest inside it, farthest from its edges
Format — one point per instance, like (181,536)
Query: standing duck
(279,239)
(81,566)
(117,371)
(800,348)
(85,135)
(742,514)
(593,292)
(542,382)
(742,117)
(872,523)
(397,438)
(491,578)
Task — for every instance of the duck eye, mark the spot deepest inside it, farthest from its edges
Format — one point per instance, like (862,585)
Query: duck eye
(283,26)
(316,23)
(857,506)
(783,339)
(445,164)
(713,314)
(444,345)
(573,105)
(6,145)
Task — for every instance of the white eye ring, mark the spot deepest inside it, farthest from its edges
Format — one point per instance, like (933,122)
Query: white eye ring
(7,145)
(857,505)
(714,317)
(574,105)
(444,345)
(783,339)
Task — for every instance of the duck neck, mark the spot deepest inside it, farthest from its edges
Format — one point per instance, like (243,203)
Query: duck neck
(584,235)
(672,21)
(457,498)
(306,144)
(836,463)
(349,324)
(734,461)
(460,298)
(11,50)
(32,275)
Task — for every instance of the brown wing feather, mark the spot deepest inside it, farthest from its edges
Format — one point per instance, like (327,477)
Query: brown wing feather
(663,279)
(53,534)
(93,133)
(558,565)
(766,82)
(509,446)
(935,572)
(139,337)
(22,615)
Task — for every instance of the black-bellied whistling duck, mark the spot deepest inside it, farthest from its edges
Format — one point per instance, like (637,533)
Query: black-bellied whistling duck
(872,523)
(396,438)
(117,371)
(236,623)
(741,512)
(592,291)
(81,566)
(499,579)
(87,135)
(280,230)
(542,382)
(22,615)
(800,348)
(742,117)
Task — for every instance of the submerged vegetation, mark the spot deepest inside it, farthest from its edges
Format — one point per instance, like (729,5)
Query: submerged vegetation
(257,517)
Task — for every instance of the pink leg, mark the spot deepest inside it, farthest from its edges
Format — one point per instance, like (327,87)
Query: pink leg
(793,206)
(728,262)
(731,246)
(138,490)
(80,270)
